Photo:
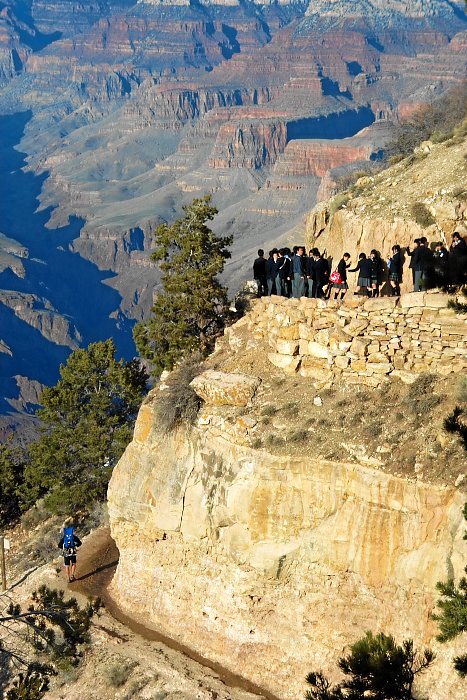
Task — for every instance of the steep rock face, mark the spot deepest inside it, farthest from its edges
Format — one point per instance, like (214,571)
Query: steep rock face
(252,559)
(259,559)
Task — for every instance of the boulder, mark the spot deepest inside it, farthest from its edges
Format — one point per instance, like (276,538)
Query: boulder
(225,389)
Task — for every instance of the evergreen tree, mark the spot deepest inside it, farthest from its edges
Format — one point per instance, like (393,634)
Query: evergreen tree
(11,477)
(190,310)
(87,420)
(377,669)
(51,632)
(453,617)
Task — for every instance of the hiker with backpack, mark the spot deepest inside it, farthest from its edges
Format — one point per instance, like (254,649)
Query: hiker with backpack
(69,544)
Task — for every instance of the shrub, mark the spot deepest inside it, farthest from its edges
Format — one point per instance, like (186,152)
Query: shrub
(462,389)
(275,441)
(291,408)
(179,404)
(257,443)
(338,202)
(454,424)
(376,667)
(118,673)
(439,136)
(298,436)
(268,410)
(421,386)
(422,215)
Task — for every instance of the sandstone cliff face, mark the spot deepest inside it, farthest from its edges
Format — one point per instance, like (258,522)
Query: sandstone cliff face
(262,560)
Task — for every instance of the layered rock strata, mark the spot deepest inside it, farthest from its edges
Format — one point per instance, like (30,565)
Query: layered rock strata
(261,561)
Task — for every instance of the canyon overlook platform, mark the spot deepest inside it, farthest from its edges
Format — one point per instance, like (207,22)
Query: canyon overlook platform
(362,340)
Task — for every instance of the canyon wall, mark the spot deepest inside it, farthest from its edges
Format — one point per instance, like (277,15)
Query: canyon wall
(264,561)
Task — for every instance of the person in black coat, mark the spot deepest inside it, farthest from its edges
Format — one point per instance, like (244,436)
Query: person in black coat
(259,273)
(422,266)
(284,272)
(396,266)
(441,265)
(376,272)
(411,254)
(272,272)
(342,267)
(317,273)
(457,259)
(363,268)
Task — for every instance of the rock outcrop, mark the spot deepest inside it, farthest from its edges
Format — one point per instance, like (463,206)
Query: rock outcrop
(259,559)
(381,211)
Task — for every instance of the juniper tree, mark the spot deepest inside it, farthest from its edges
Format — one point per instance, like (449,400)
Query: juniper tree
(377,669)
(452,619)
(190,309)
(87,420)
(11,477)
(38,641)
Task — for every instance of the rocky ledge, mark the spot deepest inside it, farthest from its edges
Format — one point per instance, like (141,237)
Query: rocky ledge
(259,558)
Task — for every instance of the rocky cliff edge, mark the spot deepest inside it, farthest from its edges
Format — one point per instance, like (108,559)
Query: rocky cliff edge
(298,512)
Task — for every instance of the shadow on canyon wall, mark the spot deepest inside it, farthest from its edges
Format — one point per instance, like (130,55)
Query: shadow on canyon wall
(63,283)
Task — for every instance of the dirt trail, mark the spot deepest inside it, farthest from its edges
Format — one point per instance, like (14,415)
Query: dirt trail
(97,561)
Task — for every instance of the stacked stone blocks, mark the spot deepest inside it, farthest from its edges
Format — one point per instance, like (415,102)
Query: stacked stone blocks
(362,340)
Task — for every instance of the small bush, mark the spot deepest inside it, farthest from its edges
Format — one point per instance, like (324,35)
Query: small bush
(422,215)
(298,436)
(373,430)
(454,424)
(462,389)
(268,410)
(179,404)
(257,444)
(460,193)
(135,686)
(118,673)
(290,409)
(457,306)
(393,160)
(421,386)
(98,516)
(275,441)
(338,202)
(440,136)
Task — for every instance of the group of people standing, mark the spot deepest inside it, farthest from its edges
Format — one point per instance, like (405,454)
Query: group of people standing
(292,273)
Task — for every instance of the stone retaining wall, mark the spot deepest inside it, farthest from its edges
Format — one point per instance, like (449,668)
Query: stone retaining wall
(362,340)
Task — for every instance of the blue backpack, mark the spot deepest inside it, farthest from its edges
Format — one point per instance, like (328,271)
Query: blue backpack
(68,540)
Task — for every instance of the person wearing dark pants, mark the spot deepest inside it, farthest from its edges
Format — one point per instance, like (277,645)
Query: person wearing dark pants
(298,273)
(272,272)
(422,265)
(441,265)
(259,273)
(395,266)
(284,272)
(69,544)
(376,272)
(457,260)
